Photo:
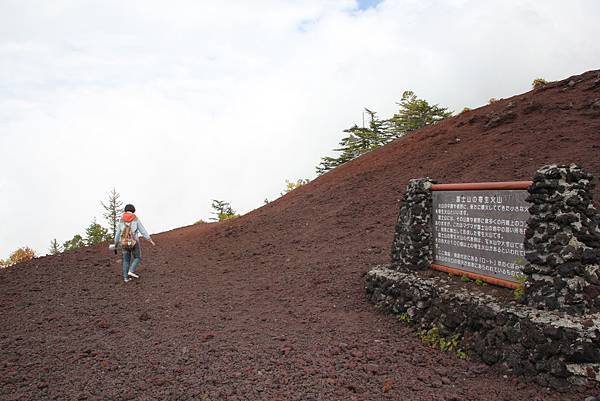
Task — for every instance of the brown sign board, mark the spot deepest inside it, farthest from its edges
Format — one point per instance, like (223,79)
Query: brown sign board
(480,231)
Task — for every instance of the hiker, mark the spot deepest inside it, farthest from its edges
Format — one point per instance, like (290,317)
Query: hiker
(128,236)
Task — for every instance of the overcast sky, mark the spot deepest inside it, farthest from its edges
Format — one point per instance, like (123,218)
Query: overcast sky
(175,103)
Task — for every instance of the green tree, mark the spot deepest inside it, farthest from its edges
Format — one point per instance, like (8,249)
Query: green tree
(95,233)
(223,211)
(74,243)
(55,247)
(291,185)
(415,113)
(358,142)
(113,209)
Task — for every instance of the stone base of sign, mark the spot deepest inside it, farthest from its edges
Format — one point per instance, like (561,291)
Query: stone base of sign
(551,348)
(562,241)
(413,240)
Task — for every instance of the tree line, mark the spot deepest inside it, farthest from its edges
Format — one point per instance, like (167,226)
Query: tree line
(413,113)
(95,233)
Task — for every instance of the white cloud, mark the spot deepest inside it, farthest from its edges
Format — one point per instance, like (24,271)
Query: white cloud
(182,102)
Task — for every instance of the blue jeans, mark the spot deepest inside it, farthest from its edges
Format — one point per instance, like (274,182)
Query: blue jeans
(136,252)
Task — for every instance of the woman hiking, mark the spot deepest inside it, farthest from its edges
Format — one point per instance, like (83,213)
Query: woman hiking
(128,236)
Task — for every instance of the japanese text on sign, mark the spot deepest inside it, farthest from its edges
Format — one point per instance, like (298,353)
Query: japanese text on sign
(481,231)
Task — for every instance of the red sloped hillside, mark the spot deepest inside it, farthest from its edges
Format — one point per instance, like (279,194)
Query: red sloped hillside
(271,306)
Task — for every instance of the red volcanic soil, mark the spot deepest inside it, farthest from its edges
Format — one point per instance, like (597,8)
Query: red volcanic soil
(271,306)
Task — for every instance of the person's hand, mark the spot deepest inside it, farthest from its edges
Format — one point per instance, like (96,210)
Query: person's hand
(152,242)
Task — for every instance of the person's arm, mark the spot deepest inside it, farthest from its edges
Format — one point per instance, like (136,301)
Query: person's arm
(118,234)
(144,233)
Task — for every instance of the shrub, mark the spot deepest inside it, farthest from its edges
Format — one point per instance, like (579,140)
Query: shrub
(519,291)
(291,185)
(433,338)
(405,318)
(538,83)
(20,255)
(223,211)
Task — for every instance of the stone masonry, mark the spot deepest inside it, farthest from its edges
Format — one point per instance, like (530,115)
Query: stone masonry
(562,242)
(552,335)
(413,241)
(550,347)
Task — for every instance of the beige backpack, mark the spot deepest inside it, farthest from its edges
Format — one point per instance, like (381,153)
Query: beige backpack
(127,238)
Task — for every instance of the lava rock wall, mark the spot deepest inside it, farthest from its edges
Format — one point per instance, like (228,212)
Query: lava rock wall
(562,242)
(552,348)
(413,240)
(553,333)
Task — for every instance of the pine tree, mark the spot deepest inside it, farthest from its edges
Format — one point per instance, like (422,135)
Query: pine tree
(415,113)
(113,209)
(74,243)
(54,247)
(223,211)
(95,233)
(358,142)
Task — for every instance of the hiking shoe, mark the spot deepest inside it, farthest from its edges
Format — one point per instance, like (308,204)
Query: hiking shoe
(133,275)
(127,280)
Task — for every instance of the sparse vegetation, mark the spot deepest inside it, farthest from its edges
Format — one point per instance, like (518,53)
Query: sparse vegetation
(74,243)
(464,110)
(538,83)
(291,185)
(112,210)
(465,279)
(519,291)
(22,254)
(492,100)
(413,113)
(55,247)
(433,338)
(223,211)
(405,318)
(95,234)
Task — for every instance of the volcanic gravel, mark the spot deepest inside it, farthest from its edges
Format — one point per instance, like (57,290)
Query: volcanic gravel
(271,306)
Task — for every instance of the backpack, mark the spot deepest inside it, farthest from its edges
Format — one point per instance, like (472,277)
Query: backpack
(127,239)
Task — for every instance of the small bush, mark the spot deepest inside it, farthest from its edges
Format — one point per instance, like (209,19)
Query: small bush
(291,185)
(492,100)
(539,83)
(405,318)
(433,338)
(465,110)
(465,279)
(519,291)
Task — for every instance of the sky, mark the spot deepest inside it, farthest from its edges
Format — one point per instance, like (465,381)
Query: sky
(176,103)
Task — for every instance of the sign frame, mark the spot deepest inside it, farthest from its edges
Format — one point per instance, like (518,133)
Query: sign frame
(474,186)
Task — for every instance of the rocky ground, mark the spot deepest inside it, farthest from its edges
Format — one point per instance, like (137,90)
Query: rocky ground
(272,306)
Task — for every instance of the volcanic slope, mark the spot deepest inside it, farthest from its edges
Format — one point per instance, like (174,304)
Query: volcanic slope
(271,306)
